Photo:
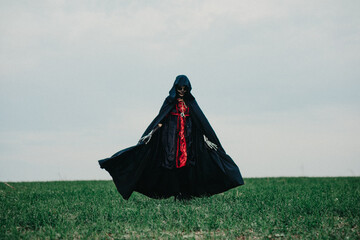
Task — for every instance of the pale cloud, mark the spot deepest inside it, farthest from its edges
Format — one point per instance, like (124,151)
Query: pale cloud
(278,80)
(318,141)
(66,29)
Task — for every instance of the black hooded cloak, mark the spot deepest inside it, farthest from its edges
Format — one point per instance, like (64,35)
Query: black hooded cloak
(142,168)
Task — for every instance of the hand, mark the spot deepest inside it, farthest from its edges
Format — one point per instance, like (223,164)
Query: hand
(210,144)
(146,138)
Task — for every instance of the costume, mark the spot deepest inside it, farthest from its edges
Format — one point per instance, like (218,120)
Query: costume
(178,154)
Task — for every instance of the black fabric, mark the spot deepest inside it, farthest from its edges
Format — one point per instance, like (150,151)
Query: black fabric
(140,167)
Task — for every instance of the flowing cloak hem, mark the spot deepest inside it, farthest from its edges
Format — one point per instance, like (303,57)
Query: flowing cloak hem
(137,168)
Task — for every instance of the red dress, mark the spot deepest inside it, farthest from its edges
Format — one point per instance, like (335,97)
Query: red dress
(177,140)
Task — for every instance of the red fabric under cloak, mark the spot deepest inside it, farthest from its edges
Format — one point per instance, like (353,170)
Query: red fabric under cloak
(182,111)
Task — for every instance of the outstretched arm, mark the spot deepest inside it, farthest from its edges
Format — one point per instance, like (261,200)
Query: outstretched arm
(147,138)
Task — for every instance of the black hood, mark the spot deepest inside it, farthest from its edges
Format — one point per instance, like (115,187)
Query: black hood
(181,80)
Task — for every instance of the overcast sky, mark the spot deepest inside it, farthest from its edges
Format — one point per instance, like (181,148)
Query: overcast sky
(278,80)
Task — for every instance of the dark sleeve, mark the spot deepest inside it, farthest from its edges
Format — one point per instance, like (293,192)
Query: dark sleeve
(164,110)
(203,124)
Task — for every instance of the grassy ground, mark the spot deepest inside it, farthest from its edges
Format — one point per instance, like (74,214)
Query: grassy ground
(264,208)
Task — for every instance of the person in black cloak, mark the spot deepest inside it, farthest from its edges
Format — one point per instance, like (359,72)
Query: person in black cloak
(178,155)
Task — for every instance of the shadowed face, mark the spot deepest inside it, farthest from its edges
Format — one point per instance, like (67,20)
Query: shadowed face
(181,91)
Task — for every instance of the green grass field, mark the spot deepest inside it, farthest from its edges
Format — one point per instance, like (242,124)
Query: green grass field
(264,208)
